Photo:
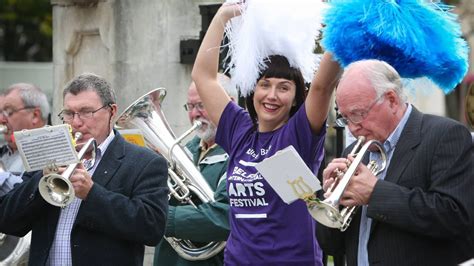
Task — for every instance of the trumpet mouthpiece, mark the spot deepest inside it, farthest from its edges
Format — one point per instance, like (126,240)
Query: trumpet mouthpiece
(77,136)
(3,129)
(197,124)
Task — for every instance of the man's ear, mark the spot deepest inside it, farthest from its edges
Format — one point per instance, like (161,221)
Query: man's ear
(37,118)
(393,98)
(113,110)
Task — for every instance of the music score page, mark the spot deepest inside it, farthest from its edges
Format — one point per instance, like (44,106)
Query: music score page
(41,147)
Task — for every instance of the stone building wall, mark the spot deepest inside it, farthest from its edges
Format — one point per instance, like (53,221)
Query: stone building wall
(134,44)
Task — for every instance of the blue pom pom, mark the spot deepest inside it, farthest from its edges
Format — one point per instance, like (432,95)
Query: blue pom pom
(418,39)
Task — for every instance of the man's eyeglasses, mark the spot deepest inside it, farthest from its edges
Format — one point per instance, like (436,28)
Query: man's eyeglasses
(190,106)
(10,112)
(357,116)
(68,115)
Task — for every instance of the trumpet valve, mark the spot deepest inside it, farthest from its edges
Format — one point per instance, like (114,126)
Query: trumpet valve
(337,178)
(372,166)
(50,169)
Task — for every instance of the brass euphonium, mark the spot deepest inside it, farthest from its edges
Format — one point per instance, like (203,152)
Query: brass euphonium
(56,189)
(329,212)
(13,250)
(184,179)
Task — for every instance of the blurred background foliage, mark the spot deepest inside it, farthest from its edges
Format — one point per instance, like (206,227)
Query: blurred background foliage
(26,30)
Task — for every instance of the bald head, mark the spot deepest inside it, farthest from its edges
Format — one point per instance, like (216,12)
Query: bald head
(370,96)
(376,74)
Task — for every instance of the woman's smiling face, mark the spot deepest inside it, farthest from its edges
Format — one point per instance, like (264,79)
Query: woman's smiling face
(273,100)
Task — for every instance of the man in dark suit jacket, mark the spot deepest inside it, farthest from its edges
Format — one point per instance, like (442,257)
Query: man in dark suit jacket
(121,198)
(420,209)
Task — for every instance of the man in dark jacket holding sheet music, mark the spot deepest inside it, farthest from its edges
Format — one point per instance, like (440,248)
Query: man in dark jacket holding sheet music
(121,196)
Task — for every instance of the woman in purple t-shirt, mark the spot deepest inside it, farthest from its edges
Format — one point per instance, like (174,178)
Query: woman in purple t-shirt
(265,230)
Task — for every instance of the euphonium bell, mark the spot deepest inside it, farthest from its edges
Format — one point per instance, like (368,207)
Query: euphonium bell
(56,189)
(329,212)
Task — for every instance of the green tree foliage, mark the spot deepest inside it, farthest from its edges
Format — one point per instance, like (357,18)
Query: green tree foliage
(26,30)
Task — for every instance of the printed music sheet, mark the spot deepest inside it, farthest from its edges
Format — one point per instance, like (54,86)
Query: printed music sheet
(44,146)
(288,175)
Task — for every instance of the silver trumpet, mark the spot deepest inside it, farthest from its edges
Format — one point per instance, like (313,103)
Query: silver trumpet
(184,179)
(329,212)
(56,189)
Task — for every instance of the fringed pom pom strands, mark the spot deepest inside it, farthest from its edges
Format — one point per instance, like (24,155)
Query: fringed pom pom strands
(418,38)
(272,27)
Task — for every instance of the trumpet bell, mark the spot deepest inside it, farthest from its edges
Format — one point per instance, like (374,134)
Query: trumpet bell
(56,190)
(325,214)
(329,212)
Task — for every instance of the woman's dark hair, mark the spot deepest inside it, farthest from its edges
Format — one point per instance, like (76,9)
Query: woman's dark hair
(279,67)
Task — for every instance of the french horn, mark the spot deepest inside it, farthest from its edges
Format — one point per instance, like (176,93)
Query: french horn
(184,179)
(329,212)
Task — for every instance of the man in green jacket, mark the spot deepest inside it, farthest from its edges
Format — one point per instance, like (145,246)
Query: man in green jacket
(209,221)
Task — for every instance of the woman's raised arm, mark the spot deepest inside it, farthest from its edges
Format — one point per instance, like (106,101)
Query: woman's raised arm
(319,95)
(205,68)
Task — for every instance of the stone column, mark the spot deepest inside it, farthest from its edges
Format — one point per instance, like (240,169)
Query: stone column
(134,44)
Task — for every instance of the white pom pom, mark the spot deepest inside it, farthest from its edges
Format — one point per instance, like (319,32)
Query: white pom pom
(273,27)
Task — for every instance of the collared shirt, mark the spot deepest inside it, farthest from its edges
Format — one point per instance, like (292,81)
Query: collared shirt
(366,222)
(12,161)
(60,252)
(204,150)
(8,181)
(13,169)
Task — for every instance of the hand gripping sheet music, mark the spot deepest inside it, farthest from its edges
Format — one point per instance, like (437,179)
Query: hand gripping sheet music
(289,176)
(45,146)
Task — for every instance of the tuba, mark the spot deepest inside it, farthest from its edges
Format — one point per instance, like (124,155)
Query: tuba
(184,179)
(329,212)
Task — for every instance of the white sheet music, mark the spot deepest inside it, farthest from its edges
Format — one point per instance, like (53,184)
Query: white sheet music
(288,175)
(42,146)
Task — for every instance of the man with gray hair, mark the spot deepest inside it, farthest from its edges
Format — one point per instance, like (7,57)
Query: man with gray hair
(24,106)
(419,210)
(121,196)
(209,221)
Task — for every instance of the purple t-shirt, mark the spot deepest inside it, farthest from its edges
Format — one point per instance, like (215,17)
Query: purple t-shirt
(264,229)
